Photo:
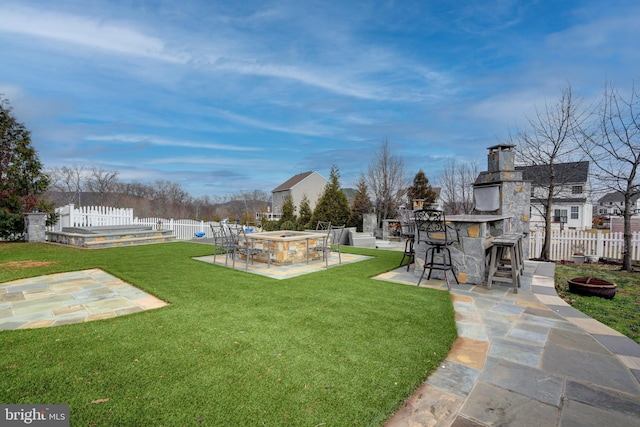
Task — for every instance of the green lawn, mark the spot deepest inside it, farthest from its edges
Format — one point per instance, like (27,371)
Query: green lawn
(333,348)
(621,313)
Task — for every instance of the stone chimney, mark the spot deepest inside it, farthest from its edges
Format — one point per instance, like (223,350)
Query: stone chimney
(501,166)
(501,191)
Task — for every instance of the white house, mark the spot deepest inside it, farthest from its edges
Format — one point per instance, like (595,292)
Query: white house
(570,206)
(613,204)
(310,183)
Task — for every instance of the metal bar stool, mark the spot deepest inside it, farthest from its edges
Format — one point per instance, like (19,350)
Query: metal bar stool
(432,229)
(408,233)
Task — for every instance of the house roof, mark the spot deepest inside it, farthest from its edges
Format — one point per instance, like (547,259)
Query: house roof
(291,182)
(616,196)
(564,173)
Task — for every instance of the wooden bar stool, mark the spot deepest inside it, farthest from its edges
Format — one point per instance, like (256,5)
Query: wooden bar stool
(505,264)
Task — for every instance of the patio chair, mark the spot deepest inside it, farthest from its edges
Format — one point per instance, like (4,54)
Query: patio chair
(408,232)
(323,225)
(221,240)
(331,242)
(432,229)
(241,245)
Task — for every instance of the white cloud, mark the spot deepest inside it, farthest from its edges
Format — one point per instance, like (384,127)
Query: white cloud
(84,31)
(154,140)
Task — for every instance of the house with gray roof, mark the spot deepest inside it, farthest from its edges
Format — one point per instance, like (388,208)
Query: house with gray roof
(309,183)
(613,204)
(571,202)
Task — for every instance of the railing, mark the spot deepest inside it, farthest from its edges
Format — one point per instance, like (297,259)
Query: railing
(183,229)
(564,244)
(92,216)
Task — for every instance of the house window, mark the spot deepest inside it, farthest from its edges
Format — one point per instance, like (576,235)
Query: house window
(559,215)
(574,212)
(576,189)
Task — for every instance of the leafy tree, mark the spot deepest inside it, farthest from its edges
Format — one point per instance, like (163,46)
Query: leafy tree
(288,209)
(333,204)
(361,203)
(421,190)
(304,219)
(22,182)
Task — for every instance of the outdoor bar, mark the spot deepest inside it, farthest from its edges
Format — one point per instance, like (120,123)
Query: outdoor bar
(502,208)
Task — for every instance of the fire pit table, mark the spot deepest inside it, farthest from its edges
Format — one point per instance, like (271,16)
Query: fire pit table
(286,247)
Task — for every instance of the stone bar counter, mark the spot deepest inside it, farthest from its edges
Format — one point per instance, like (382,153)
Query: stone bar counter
(469,254)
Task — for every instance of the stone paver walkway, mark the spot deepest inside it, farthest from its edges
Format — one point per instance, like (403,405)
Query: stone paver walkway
(284,271)
(525,359)
(64,298)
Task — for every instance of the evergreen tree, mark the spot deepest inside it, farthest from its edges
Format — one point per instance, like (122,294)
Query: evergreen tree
(421,190)
(332,204)
(288,214)
(22,182)
(361,203)
(304,219)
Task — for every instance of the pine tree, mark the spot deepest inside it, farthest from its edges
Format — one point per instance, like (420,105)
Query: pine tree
(361,203)
(22,182)
(288,215)
(304,219)
(333,204)
(421,190)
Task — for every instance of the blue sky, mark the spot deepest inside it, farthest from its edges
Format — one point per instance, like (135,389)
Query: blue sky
(225,96)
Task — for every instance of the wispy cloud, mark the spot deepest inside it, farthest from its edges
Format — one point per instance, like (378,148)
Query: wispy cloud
(158,141)
(85,31)
(262,90)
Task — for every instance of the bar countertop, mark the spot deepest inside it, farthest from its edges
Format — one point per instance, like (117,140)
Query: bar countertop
(477,218)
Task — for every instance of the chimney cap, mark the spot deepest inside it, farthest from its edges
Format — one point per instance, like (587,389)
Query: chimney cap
(500,147)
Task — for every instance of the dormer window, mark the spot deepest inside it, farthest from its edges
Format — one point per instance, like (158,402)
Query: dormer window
(576,189)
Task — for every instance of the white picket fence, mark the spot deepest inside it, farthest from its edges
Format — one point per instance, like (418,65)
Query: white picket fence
(98,216)
(92,216)
(564,244)
(183,229)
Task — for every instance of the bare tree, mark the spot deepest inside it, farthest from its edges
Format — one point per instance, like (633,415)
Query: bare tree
(69,183)
(467,173)
(104,185)
(387,182)
(170,199)
(456,187)
(250,204)
(613,145)
(551,139)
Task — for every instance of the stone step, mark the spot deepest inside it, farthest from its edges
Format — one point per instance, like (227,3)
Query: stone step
(128,241)
(362,240)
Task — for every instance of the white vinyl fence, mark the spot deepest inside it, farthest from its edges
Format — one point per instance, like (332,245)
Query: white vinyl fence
(183,229)
(92,216)
(565,243)
(99,216)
